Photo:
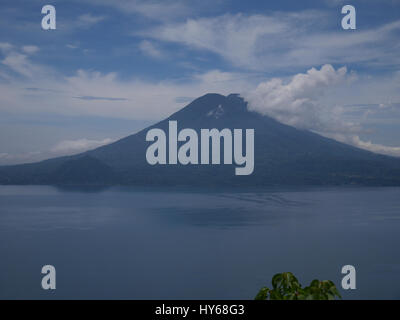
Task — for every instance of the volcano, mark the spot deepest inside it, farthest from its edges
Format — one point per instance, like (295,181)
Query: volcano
(283,155)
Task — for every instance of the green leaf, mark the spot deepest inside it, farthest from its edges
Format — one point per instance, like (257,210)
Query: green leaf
(262,294)
(286,287)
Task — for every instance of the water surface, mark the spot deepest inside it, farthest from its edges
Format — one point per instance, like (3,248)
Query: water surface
(134,243)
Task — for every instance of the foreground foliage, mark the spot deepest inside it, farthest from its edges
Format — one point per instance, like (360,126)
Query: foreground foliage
(285,286)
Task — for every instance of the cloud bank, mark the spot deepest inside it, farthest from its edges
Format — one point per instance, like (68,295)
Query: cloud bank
(295,103)
(76,146)
(298,103)
(62,148)
(282,40)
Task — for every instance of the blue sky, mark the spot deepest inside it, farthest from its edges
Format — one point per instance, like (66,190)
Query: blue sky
(113,67)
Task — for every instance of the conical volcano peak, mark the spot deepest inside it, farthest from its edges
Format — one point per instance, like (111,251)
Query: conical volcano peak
(283,155)
(212,106)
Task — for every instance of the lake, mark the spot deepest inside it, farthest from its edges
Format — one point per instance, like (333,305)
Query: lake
(136,243)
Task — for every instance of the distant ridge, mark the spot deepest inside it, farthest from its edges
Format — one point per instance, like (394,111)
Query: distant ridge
(283,156)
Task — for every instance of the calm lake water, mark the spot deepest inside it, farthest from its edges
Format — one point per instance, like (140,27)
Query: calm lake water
(133,243)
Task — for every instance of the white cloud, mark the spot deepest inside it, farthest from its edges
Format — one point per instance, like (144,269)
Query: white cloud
(232,36)
(77,146)
(7,158)
(295,103)
(149,49)
(5,46)
(219,76)
(159,10)
(63,148)
(19,63)
(87,20)
(377,148)
(155,9)
(30,49)
(282,40)
(298,103)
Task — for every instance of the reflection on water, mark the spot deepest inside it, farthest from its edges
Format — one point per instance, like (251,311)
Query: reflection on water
(223,244)
(263,198)
(230,210)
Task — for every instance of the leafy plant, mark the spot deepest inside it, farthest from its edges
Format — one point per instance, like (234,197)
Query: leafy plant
(285,286)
